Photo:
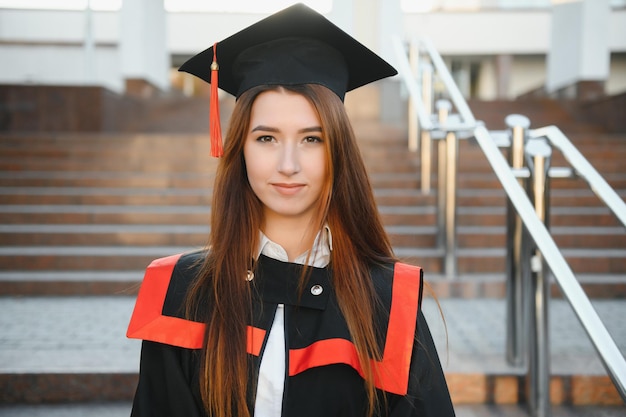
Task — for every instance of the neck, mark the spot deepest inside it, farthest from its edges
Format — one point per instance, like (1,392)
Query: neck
(295,236)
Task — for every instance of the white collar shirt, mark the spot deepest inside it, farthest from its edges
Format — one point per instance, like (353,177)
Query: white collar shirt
(271,383)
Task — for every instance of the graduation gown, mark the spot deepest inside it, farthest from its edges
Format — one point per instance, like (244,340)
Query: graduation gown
(323,375)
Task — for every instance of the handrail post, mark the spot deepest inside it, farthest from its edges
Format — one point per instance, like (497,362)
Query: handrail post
(538,154)
(426,72)
(413,128)
(515,353)
(446,196)
(443,107)
(452,156)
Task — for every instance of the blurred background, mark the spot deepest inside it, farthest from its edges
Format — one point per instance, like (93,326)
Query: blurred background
(494,49)
(104,166)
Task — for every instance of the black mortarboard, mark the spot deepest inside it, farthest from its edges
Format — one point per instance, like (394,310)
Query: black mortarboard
(294,46)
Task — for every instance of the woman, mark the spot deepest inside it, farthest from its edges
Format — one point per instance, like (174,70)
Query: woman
(298,306)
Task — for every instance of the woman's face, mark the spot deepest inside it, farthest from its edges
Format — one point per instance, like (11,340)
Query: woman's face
(285,155)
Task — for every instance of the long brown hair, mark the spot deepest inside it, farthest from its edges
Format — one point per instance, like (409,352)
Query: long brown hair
(359,241)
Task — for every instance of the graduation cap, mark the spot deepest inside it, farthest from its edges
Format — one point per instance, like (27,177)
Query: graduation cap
(294,46)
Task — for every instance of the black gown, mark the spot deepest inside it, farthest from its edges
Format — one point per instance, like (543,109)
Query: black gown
(323,373)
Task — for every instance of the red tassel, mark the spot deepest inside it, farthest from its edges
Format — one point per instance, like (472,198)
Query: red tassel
(215,129)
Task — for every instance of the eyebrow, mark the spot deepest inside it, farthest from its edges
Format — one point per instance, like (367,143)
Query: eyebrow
(263,128)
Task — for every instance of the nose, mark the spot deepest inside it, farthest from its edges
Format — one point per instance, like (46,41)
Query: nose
(289,160)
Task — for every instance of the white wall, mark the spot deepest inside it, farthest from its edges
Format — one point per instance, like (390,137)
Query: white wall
(579,48)
(528,72)
(45,46)
(56,26)
(142,41)
(483,32)
(59,65)
(190,33)
(498,31)
(617,30)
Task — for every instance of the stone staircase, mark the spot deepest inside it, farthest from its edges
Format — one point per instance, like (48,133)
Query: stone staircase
(82,214)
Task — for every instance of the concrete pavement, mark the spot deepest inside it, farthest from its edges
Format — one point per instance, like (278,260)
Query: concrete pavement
(87,334)
(81,335)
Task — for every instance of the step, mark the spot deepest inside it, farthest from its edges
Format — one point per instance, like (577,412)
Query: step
(380,180)
(113,258)
(493,285)
(173,215)
(77,258)
(464,285)
(130,197)
(48,234)
(388,178)
(559,216)
(202,196)
(122,409)
(63,283)
(73,348)
(493,259)
(68,408)
(564,236)
(568,197)
(154,235)
(122,258)
(194,147)
(126,217)
(104,234)
(98,180)
(143,164)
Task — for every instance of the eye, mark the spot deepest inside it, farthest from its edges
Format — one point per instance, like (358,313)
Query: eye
(265,139)
(312,139)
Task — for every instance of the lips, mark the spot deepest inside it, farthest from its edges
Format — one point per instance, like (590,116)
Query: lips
(287,189)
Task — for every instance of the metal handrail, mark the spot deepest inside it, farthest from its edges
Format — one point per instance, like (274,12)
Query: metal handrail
(610,355)
(413,87)
(447,130)
(584,170)
(453,91)
(604,344)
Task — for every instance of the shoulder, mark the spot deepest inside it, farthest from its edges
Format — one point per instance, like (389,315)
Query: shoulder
(181,260)
(399,290)
(158,314)
(398,282)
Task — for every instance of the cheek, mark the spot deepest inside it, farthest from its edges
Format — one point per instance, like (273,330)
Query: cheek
(317,168)
(258,168)
(249,163)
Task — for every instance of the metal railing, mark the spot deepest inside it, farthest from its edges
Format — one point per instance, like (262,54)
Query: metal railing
(444,127)
(532,255)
